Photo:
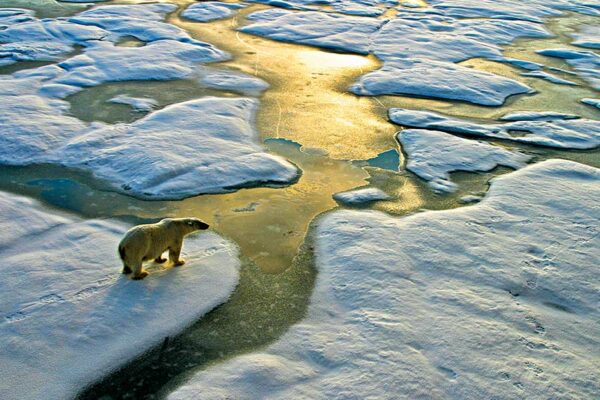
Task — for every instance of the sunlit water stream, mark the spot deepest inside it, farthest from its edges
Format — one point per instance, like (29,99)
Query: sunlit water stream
(340,141)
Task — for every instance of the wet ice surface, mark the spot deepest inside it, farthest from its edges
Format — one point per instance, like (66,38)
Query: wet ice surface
(210,11)
(543,130)
(592,102)
(429,78)
(433,154)
(361,196)
(588,36)
(141,104)
(585,63)
(314,28)
(69,316)
(212,157)
(497,299)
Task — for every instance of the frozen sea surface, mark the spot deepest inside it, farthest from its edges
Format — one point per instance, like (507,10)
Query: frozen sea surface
(588,36)
(211,145)
(432,155)
(438,79)
(211,148)
(535,128)
(210,10)
(68,314)
(344,33)
(361,196)
(495,300)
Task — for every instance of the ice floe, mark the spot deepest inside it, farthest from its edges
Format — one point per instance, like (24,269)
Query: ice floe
(26,38)
(159,60)
(495,300)
(437,79)
(361,196)
(591,102)
(536,116)
(430,45)
(549,77)
(69,316)
(331,31)
(449,39)
(141,104)
(540,130)
(210,11)
(231,81)
(585,63)
(432,155)
(200,146)
(588,36)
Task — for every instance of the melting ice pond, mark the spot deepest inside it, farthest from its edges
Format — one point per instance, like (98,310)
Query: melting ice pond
(340,141)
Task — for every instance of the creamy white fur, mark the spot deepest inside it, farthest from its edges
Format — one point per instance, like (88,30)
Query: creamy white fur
(148,242)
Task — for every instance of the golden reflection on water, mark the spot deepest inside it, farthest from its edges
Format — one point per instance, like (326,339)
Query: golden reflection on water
(307,101)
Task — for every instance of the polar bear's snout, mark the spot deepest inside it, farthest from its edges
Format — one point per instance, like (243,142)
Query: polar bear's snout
(198,224)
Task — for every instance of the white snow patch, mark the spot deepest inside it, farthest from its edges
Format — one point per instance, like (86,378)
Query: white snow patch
(200,146)
(549,77)
(567,134)
(69,316)
(591,102)
(432,155)
(210,11)
(536,116)
(588,36)
(141,104)
(160,60)
(232,81)
(496,300)
(361,196)
(314,28)
(437,79)
(585,63)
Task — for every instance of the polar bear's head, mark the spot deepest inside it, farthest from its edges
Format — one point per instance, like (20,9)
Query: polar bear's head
(194,224)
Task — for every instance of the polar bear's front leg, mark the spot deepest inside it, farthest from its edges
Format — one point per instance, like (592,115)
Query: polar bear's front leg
(174,252)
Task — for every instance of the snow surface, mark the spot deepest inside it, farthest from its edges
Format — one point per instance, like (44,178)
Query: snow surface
(210,11)
(330,31)
(231,81)
(585,63)
(141,104)
(209,148)
(432,155)
(361,196)
(563,133)
(449,39)
(588,36)
(536,116)
(437,79)
(549,77)
(70,316)
(159,60)
(200,146)
(591,102)
(495,300)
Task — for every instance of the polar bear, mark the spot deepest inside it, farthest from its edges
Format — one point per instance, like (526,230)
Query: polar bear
(148,242)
